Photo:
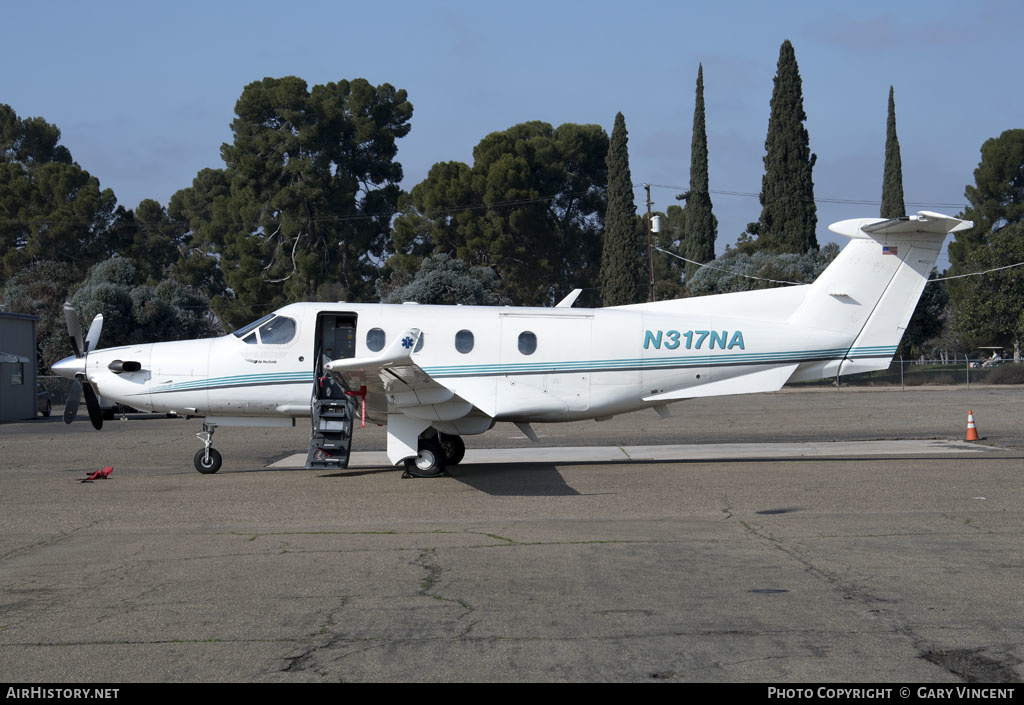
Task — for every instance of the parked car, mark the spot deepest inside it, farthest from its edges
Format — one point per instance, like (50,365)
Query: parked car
(43,403)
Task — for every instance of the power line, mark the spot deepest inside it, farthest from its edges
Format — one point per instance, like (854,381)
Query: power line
(322,218)
(841,201)
(486,206)
(977,274)
(730,271)
(779,281)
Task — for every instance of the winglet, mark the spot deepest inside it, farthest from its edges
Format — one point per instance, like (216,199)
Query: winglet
(569,300)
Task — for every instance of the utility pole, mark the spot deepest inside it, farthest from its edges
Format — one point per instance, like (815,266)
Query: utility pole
(650,245)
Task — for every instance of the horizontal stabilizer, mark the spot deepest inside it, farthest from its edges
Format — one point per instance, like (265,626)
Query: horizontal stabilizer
(923,222)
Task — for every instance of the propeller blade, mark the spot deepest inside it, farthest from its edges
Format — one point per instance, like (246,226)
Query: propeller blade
(93,405)
(74,399)
(93,336)
(74,329)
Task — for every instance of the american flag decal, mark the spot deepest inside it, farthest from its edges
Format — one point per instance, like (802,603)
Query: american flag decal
(888,250)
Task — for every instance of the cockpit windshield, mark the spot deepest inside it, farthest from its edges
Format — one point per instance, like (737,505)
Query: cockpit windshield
(269,330)
(255,324)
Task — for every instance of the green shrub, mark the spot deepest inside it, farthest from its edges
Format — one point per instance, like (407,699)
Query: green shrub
(1007,373)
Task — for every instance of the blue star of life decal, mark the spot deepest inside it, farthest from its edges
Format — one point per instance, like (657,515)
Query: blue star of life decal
(407,342)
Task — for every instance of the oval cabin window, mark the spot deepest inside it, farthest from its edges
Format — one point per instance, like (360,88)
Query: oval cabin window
(464,341)
(375,339)
(527,343)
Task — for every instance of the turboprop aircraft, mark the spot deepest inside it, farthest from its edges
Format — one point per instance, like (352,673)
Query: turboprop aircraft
(435,373)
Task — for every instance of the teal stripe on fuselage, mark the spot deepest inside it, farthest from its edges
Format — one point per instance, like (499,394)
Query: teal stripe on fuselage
(719,360)
(235,381)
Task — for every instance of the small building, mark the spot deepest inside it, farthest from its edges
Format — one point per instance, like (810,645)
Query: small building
(17,366)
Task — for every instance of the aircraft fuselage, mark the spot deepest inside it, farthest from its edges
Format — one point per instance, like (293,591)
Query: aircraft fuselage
(514,364)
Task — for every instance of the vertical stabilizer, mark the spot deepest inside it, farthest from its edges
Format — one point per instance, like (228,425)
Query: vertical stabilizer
(869,293)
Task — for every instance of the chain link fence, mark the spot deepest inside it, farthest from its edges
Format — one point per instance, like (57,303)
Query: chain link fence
(918,373)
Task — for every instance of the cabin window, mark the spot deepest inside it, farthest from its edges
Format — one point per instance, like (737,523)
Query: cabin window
(464,341)
(527,343)
(375,339)
(277,331)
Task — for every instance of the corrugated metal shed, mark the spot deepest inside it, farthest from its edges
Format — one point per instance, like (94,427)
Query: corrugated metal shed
(17,366)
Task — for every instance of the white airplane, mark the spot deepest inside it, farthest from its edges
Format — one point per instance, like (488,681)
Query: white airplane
(436,373)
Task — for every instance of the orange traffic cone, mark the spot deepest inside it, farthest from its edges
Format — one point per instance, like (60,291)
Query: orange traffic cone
(972,430)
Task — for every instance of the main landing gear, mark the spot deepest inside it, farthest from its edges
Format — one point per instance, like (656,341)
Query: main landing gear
(207,460)
(436,452)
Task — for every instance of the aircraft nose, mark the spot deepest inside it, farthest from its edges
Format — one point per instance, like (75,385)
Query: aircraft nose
(69,366)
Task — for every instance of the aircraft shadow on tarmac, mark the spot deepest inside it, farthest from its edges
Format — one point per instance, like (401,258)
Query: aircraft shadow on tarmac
(543,479)
(525,480)
(500,480)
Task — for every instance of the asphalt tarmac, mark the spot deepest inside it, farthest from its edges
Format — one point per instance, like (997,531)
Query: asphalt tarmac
(810,552)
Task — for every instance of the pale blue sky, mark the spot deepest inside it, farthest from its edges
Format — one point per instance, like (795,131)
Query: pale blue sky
(144,92)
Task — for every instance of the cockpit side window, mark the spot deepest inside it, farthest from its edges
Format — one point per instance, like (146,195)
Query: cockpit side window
(250,339)
(277,331)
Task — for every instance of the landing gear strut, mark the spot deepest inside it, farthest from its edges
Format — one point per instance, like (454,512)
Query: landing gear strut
(207,460)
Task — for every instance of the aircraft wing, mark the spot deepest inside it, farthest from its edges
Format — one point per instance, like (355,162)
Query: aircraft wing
(395,382)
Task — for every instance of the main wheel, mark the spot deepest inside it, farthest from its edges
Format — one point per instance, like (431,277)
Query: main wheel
(454,449)
(207,465)
(429,462)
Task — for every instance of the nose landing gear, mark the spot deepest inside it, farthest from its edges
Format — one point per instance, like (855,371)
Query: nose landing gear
(207,460)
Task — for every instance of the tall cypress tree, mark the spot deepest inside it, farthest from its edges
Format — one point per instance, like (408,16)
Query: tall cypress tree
(700,222)
(788,214)
(623,259)
(892,179)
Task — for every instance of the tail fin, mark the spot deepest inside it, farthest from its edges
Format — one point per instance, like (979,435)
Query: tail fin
(870,291)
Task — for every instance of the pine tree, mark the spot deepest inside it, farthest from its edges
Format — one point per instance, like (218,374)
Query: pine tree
(788,215)
(892,179)
(623,260)
(700,222)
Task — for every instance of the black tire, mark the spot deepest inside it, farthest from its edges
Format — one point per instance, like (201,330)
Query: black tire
(207,466)
(429,462)
(454,449)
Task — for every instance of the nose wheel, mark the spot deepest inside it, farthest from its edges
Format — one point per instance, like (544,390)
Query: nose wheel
(207,460)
